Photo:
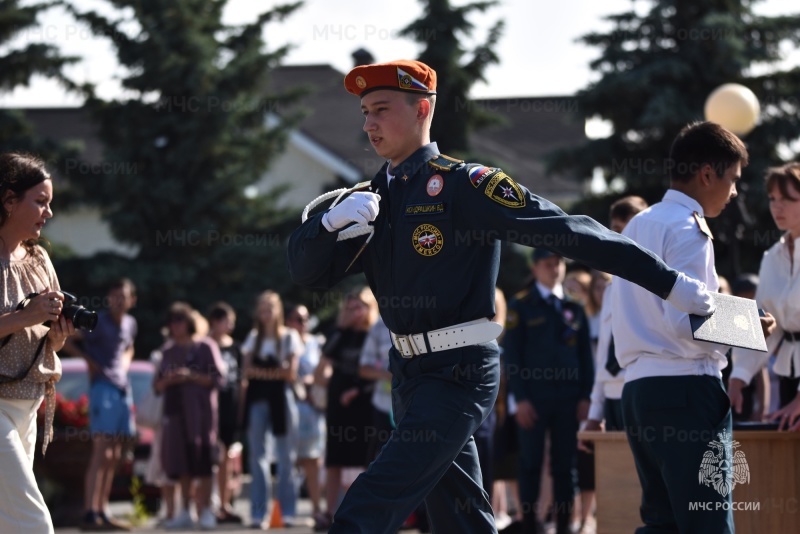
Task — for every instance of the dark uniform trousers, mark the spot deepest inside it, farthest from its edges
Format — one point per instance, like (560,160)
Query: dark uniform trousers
(556,416)
(670,422)
(612,411)
(439,402)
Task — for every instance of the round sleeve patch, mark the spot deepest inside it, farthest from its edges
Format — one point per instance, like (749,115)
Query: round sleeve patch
(427,240)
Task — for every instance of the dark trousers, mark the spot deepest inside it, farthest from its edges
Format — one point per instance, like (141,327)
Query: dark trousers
(672,424)
(484,441)
(612,410)
(559,418)
(787,390)
(440,400)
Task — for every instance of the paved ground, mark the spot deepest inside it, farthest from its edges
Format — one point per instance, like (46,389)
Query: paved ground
(122,510)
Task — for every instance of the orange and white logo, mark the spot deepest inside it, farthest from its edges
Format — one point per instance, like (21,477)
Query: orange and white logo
(435,185)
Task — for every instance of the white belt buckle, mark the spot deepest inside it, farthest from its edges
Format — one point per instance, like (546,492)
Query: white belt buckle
(406,346)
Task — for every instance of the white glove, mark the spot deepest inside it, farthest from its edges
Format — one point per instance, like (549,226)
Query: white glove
(360,208)
(691,296)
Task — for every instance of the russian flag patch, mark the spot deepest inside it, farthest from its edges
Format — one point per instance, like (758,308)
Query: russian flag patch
(478,173)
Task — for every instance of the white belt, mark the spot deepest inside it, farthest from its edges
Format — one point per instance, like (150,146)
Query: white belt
(460,335)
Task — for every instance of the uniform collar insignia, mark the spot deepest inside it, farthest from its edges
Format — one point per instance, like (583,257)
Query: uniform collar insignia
(416,162)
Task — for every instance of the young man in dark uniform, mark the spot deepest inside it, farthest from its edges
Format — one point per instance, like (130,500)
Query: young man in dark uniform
(550,372)
(432,264)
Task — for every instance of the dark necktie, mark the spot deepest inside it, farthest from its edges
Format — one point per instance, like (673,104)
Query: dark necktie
(612,365)
(553,301)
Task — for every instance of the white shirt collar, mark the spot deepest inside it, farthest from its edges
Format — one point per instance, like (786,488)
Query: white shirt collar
(673,195)
(545,292)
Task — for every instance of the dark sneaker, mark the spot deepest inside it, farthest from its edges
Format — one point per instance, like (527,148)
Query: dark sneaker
(90,522)
(110,524)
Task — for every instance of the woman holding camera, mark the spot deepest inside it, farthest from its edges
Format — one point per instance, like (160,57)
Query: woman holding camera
(29,367)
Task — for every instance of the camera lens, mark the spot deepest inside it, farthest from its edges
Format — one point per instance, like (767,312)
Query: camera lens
(81,317)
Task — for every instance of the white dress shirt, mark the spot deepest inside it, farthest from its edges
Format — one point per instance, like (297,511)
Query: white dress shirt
(545,292)
(778,293)
(606,385)
(652,337)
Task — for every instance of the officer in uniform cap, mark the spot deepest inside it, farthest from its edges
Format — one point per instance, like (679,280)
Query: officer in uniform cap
(548,354)
(432,263)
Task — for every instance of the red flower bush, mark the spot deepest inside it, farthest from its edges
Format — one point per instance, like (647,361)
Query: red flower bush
(68,413)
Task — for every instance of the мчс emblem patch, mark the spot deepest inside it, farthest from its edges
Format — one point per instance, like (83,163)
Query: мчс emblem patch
(503,190)
(427,240)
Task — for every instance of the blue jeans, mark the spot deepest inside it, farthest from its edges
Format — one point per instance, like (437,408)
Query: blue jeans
(258,427)
(110,410)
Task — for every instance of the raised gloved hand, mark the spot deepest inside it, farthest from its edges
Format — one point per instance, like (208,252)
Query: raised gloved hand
(360,208)
(691,296)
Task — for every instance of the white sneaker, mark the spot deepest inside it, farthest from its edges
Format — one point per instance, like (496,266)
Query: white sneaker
(181,521)
(207,520)
(502,520)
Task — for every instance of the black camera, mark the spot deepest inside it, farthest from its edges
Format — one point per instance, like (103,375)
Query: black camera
(81,318)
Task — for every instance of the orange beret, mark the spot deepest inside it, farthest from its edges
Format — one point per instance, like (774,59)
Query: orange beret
(402,75)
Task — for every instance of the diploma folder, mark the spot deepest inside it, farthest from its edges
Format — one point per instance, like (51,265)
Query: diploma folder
(735,322)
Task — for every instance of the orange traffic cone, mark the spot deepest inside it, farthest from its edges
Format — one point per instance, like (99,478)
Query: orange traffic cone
(276,517)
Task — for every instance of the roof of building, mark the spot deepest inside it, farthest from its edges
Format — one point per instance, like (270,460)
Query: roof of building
(529,128)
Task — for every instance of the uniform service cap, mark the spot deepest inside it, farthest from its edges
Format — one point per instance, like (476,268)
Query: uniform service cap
(402,75)
(541,253)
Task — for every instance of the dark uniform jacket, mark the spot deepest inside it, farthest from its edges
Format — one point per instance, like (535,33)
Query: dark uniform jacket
(434,258)
(548,352)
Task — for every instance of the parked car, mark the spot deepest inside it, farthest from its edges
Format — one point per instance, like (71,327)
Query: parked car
(74,385)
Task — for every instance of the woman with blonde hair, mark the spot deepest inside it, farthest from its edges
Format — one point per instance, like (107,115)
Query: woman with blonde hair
(189,376)
(271,354)
(349,407)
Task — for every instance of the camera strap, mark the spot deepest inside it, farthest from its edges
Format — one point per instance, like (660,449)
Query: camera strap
(9,379)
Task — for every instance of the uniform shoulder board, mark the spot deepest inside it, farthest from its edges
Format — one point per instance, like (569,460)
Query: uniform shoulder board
(445,163)
(702,225)
(519,295)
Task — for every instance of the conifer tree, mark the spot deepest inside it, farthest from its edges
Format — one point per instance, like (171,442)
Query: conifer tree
(656,70)
(195,129)
(19,63)
(443,29)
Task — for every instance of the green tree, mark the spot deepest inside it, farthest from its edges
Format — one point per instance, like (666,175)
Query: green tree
(443,28)
(20,61)
(656,71)
(195,131)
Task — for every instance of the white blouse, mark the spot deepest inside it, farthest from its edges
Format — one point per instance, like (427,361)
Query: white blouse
(778,293)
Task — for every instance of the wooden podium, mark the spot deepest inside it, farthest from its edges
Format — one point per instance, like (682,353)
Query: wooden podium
(774,461)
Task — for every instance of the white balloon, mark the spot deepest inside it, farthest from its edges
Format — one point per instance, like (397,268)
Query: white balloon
(734,107)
